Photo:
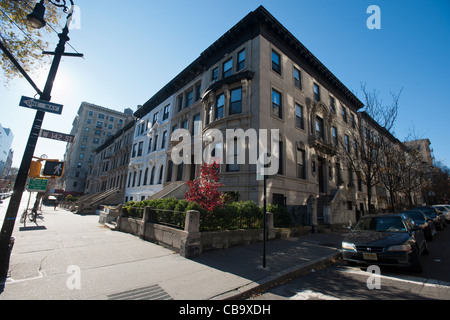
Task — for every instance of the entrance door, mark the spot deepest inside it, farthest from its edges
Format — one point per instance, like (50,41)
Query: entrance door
(322,175)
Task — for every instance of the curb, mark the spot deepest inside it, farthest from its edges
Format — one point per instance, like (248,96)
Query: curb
(253,288)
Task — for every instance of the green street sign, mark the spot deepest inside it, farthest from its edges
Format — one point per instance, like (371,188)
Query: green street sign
(38,185)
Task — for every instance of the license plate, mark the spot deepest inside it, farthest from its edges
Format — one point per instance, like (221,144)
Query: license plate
(370,256)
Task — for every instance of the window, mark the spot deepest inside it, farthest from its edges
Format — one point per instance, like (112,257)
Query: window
(89,121)
(152,176)
(91,113)
(196,126)
(344,114)
(79,165)
(169,171)
(215,74)
(347,144)
(236,101)
(198,88)
(155,118)
(276,62)
(96,141)
(145,177)
(220,103)
(180,103)
(335,136)
(276,104)
(140,147)
(241,60)
(227,69)
(184,124)
(320,132)
(81,156)
(332,105)
(98,132)
(189,98)
(281,158)
(299,118)
(164,140)
(353,121)
(161,172)
(150,144)
(316,92)
(297,78)
(234,166)
(301,168)
(134,151)
(101,116)
(155,145)
(166,112)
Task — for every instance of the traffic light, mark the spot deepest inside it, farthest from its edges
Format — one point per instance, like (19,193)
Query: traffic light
(53,169)
(35,169)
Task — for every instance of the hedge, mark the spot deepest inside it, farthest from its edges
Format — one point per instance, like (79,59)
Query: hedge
(232,216)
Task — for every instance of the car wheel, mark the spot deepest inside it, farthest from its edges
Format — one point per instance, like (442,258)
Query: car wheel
(416,265)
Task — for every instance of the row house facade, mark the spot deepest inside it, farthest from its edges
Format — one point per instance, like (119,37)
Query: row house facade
(148,161)
(109,168)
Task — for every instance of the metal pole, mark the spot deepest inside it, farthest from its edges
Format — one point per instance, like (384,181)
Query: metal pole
(19,187)
(265,220)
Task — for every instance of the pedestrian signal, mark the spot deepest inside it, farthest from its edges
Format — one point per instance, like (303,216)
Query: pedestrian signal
(35,169)
(53,169)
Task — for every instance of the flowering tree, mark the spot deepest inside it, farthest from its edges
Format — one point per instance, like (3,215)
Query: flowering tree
(204,189)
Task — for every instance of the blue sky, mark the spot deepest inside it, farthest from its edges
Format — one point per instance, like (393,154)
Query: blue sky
(132,49)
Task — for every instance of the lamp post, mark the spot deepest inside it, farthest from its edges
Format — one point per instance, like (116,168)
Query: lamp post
(36,19)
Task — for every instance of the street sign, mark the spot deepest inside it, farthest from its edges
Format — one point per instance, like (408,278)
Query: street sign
(40,105)
(57,136)
(38,185)
(53,169)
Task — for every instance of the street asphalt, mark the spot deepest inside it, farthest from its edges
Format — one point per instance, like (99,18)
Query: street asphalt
(72,257)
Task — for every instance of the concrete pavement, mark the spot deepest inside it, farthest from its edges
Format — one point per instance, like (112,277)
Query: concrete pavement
(72,257)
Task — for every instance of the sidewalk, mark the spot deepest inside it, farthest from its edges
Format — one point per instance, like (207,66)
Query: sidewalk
(73,257)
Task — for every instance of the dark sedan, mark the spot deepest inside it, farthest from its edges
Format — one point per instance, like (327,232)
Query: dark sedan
(387,240)
(425,223)
(434,214)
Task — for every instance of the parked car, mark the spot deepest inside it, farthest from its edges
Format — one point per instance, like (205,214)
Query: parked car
(435,214)
(385,240)
(445,209)
(425,223)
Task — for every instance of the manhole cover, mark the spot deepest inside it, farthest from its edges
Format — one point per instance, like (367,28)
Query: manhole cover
(154,292)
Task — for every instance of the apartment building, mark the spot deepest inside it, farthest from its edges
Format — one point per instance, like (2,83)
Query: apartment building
(259,76)
(92,126)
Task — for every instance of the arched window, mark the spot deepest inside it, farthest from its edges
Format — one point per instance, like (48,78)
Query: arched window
(152,176)
(161,171)
(145,177)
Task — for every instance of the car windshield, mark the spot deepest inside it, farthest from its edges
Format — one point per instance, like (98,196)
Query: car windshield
(392,224)
(441,208)
(416,216)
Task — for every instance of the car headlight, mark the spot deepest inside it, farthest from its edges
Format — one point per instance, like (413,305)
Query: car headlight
(348,246)
(405,247)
